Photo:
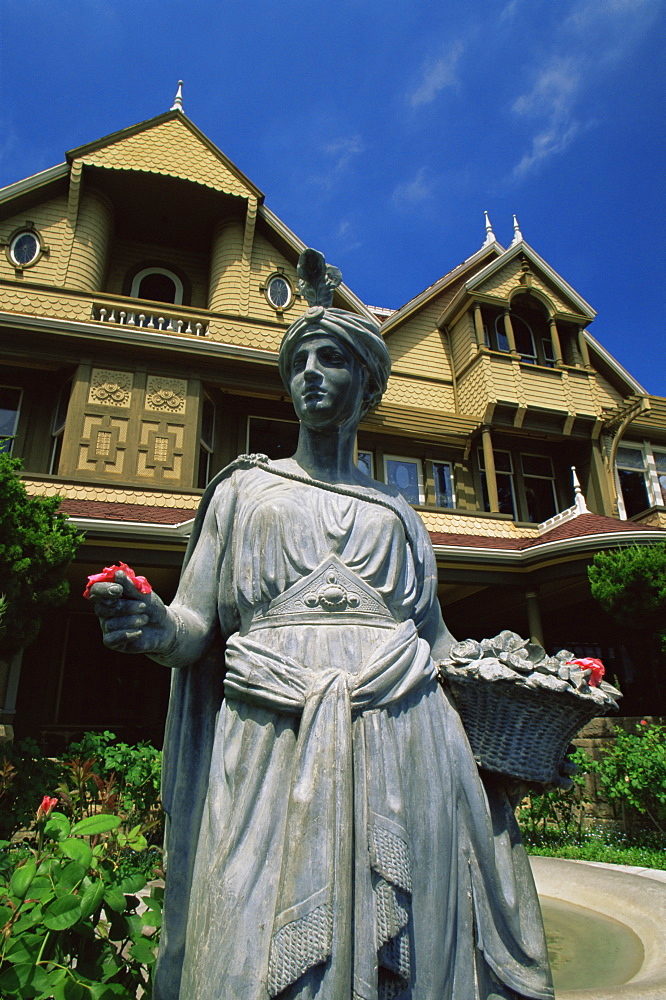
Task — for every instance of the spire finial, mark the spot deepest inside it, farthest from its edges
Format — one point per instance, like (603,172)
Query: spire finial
(178,100)
(517,235)
(490,236)
(579,499)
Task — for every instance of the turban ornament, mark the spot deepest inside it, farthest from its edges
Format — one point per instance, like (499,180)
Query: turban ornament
(360,335)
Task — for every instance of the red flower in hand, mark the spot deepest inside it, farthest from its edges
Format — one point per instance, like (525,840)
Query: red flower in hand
(596,666)
(46,808)
(109,576)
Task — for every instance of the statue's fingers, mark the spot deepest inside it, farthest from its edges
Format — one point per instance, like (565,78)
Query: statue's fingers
(129,589)
(124,622)
(115,608)
(105,591)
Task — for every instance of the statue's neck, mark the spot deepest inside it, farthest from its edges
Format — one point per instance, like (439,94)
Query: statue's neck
(327,455)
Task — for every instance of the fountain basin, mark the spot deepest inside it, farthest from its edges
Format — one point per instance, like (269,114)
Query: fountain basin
(622,917)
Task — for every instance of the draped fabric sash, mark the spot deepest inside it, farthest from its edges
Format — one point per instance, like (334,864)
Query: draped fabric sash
(313,921)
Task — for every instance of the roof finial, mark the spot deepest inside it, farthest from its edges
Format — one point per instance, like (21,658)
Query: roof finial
(490,236)
(178,101)
(517,235)
(579,499)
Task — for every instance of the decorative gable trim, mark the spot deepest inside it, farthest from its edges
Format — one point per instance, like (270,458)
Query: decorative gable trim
(517,249)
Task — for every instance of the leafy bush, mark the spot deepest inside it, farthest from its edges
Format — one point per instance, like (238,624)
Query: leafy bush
(630,585)
(36,545)
(25,776)
(130,772)
(632,775)
(70,926)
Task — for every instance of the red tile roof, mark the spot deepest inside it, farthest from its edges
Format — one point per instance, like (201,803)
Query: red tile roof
(107,511)
(577,527)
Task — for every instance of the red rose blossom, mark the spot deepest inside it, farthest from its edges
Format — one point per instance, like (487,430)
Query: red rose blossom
(596,666)
(109,576)
(46,807)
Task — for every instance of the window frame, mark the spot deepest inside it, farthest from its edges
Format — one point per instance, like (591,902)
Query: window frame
(364,451)
(525,476)
(11,438)
(58,427)
(145,272)
(408,460)
(444,463)
(654,493)
(498,472)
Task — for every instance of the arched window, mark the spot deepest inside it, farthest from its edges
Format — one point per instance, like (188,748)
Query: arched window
(529,319)
(158,285)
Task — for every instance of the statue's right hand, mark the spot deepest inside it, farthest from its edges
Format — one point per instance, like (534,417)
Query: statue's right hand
(131,622)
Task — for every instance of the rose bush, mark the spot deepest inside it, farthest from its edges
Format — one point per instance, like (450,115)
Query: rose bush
(70,926)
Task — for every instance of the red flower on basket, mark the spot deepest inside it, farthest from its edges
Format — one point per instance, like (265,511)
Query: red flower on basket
(108,575)
(46,807)
(589,663)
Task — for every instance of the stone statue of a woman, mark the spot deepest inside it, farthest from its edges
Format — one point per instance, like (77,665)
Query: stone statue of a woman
(328,833)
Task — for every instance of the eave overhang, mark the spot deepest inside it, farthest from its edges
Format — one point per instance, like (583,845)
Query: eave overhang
(545,552)
(107,333)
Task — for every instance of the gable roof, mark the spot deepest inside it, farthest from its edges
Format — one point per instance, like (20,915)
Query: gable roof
(171,145)
(429,293)
(521,247)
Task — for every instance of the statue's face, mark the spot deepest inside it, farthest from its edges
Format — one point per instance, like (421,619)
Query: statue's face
(326,382)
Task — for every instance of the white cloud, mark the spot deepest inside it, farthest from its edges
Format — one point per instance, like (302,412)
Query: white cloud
(343,150)
(412,192)
(437,75)
(595,35)
(553,90)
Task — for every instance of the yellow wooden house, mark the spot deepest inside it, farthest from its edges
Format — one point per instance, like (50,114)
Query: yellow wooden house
(145,287)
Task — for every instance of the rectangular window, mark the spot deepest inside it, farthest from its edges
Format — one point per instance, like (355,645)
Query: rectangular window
(633,477)
(10,407)
(443,476)
(275,438)
(366,463)
(539,481)
(206,442)
(506,493)
(407,477)
(58,426)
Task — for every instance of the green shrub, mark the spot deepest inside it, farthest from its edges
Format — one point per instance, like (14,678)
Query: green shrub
(130,772)
(25,776)
(70,926)
(632,775)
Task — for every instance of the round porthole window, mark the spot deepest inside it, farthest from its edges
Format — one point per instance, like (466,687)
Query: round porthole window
(24,249)
(278,292)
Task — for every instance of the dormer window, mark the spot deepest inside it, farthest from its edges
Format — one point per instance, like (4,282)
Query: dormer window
(157,284)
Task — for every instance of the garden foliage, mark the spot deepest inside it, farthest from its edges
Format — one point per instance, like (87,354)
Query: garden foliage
(36,545)
(630,585)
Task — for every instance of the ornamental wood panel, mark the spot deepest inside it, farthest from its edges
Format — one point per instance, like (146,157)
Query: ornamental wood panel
(420,393)
(463,341)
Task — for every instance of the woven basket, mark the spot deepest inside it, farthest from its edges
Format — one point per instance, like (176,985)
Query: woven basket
(519,731)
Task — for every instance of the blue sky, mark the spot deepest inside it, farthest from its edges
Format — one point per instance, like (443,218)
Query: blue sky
(380,131)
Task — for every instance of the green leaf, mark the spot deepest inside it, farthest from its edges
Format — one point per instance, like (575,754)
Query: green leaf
(92,825)
(56,826)
(21,879)
(77,850)
(5,914)
(70,876)
(25,949)
(20,976)
(133,883)
(62,913)
(115,899)
(110,991)
(143,951)
(91,898)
